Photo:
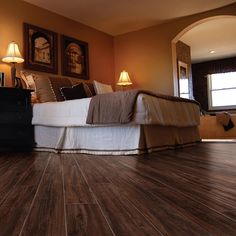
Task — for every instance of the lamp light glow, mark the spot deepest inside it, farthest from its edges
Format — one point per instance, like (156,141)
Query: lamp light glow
(13,56)
(212,51)
(124,79)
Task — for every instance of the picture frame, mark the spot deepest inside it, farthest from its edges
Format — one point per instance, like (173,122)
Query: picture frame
(40,49)
(74,58)
(182,70)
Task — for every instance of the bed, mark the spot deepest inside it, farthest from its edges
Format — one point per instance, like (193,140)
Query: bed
(133,122)
(157,123)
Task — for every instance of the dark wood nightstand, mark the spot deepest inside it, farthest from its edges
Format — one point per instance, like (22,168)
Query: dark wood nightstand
(16,130)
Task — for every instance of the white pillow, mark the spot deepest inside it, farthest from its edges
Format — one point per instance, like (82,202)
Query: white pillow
(101,88)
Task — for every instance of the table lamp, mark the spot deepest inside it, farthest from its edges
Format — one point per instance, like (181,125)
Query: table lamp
(13,56)
(124,79)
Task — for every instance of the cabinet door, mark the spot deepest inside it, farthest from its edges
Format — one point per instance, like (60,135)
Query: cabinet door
(16,135)
(16,118)
(8,102)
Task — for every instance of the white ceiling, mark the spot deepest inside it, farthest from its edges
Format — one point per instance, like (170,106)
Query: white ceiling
(218,35)
(121,16)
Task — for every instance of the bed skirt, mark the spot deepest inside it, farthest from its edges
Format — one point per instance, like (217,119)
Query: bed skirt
(113,140)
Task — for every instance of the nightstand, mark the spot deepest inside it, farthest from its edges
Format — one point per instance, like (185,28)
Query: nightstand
(16,130)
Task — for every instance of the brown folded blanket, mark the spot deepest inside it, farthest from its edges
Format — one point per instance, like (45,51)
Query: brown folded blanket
(118,107)
(224,119)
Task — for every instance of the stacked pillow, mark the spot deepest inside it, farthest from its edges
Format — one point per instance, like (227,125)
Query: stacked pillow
(53,89)
(49,89)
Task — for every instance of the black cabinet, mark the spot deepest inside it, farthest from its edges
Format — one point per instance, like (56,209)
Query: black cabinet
(16,130)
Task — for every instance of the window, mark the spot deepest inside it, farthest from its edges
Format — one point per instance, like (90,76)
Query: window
(183,88)
(183,80)
(222,91)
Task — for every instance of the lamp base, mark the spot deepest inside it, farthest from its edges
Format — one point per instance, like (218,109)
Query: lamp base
(13,75)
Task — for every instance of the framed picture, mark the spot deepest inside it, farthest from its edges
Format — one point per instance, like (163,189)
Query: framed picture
(74,57)
(183,70)
(183,79)
(40,49)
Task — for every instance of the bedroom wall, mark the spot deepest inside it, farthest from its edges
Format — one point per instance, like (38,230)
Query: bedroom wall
(147,54)
(14,12)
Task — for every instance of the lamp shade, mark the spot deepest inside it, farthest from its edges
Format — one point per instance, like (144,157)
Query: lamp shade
(124,79)
(13,54)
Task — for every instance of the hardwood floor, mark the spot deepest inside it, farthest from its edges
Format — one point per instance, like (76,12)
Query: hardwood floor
(190,191)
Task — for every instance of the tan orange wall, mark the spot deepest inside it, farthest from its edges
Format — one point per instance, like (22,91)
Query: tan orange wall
(147,54)
(14,12)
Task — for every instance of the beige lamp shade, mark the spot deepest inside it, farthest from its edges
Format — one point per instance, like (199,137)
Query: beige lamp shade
(13,54)
(124,79)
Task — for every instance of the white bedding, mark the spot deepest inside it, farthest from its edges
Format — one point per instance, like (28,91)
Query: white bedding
(148,110)
(113,140)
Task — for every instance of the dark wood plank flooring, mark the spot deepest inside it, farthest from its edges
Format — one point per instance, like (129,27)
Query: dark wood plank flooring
(190,191)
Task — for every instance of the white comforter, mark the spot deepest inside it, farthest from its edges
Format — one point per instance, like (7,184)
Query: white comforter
(148,110)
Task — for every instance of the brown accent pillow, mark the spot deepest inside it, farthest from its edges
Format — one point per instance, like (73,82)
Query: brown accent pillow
(87,90)
(91,88)
(75,81)
(57,84)
(74,92)
(43,89)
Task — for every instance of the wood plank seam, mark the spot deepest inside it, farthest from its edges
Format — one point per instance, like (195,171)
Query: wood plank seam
(95,198)
(134,206)
(186,214)
(146,216)
(22,176)
(64,198)
(36,193)
(175,190)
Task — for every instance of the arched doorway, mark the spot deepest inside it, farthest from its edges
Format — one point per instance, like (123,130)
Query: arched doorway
(178,37)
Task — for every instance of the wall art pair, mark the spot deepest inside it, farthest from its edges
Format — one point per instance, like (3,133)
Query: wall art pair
(41,52)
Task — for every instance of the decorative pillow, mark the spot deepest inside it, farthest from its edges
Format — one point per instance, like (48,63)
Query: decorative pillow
(25,76)
(75,81)
(91,88)
(28,79)
(74,92)
(43,89)
(57,84)
(47,89)
(101,88)
(87,90)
